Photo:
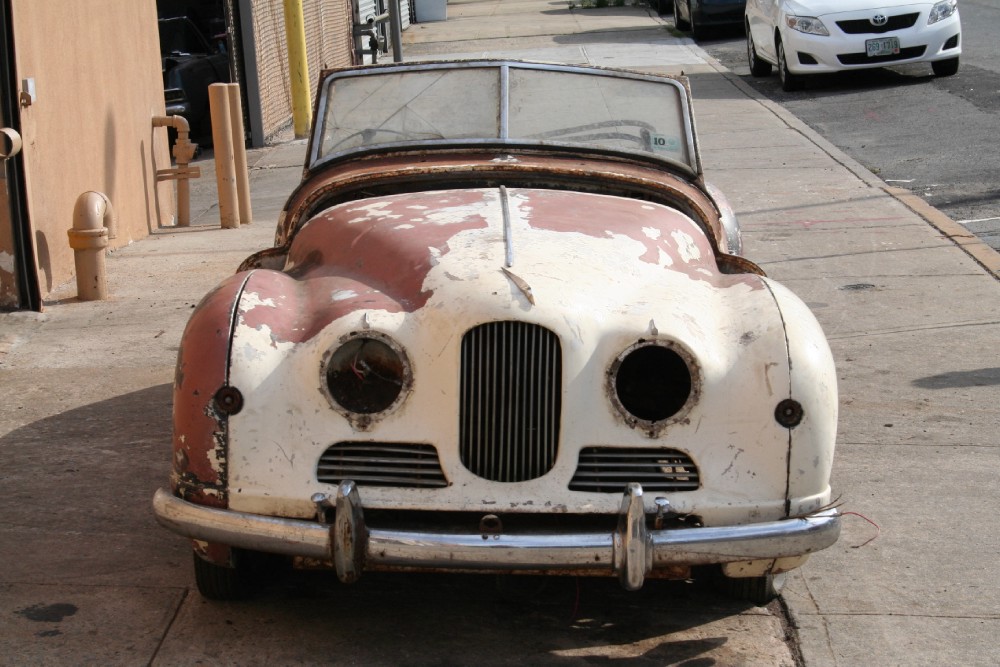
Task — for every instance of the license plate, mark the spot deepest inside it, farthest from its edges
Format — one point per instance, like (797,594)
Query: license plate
(885,46)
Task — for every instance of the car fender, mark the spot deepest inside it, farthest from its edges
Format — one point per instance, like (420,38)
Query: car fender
(813,387)
(200,436)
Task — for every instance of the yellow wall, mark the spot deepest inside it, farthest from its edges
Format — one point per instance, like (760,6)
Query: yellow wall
(98,81)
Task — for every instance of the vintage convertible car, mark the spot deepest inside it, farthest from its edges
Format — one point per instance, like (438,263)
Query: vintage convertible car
(505,327)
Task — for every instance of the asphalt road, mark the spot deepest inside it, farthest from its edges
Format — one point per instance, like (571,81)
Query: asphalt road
(934,136)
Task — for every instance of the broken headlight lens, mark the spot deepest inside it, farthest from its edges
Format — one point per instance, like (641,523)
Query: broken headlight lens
(367,374)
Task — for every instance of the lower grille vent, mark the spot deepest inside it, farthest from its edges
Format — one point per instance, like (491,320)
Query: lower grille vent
(863,59)
(396,464)
(609,469)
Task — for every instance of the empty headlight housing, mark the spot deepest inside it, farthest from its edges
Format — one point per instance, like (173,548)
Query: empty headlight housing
(367,373)
(653,381)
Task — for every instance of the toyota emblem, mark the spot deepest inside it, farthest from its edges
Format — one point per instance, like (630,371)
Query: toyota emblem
(879,20)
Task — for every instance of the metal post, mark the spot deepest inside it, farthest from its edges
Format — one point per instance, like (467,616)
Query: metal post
(225,164)
(396,31)
(298,67)
(240,154)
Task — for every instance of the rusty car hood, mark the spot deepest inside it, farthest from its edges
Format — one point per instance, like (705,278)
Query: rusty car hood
(516,246)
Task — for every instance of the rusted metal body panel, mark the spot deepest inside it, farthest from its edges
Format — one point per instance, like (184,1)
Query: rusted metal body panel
(434,169)
(200,429)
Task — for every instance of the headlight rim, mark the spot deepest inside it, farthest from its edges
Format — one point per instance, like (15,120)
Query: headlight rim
(654,427)
(361,419)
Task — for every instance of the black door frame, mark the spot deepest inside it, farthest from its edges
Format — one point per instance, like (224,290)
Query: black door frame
(29,293)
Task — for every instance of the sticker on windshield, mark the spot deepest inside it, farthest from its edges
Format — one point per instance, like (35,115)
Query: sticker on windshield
(665,143)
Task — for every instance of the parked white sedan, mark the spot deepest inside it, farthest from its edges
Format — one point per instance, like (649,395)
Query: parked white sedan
(802,37)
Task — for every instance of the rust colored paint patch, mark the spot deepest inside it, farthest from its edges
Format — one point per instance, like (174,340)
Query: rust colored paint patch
(663,231)
(219,554)
(441,169)
(200,431)
(294,310)
(370,254)
(8,272)
(602,217)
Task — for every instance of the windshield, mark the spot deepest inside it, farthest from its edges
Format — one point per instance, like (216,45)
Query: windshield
(510,103)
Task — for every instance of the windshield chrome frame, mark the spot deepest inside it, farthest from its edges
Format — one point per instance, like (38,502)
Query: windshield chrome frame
(503,66)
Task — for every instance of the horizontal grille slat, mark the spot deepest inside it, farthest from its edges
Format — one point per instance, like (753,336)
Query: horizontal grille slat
(609,469)
(510,405)
(382,464)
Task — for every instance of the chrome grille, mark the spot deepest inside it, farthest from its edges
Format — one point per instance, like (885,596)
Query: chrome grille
(609,469)
(511,391)
(397,464)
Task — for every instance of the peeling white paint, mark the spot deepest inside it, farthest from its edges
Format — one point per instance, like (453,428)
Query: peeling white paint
(435,254)
(372,211)
(251,300)
(255,344)
(686,247)
(343,295)
(652,233)
(6,262)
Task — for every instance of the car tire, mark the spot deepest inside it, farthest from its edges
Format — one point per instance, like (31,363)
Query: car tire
(698,31)
(945,67)
(755,590)
(789,81)
(217,582)
(758,67)
(678,23)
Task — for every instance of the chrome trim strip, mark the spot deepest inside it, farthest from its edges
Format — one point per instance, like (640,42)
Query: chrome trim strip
(504,102)
(632,551)
(508,240)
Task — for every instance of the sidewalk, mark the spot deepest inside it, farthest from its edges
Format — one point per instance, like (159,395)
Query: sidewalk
(902,292)
(908,314)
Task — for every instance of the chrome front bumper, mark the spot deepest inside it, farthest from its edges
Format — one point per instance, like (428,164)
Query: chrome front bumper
(632,551)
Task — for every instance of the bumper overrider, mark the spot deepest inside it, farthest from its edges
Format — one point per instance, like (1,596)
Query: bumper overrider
(632,551)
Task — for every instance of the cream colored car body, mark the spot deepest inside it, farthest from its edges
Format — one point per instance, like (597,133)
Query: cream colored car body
(479,353)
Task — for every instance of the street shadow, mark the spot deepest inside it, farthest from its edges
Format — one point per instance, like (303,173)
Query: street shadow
(120,445)
(980,377)
(460,619)
(108,456)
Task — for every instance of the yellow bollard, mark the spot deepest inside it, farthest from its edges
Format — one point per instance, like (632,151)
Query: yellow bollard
(298,67)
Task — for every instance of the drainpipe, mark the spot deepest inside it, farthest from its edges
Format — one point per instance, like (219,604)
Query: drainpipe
(93,224)
(183,153)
